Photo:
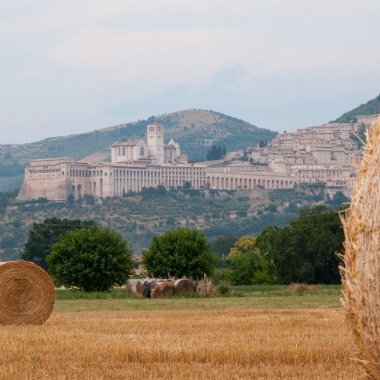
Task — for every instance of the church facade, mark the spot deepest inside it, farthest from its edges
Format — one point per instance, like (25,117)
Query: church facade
(134,165)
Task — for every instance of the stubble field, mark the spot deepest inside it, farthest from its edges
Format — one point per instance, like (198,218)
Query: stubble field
(235,342)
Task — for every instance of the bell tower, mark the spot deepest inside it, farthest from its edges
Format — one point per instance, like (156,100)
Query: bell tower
(155,137)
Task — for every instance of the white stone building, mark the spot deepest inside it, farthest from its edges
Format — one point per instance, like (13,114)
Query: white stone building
(321,154)
(134,165)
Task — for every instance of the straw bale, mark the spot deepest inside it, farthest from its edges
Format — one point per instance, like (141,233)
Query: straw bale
(131,286)
(27,293)
(140,288)
(163,288)
(136,286)
(148,286)
(361,269)
(183,286)
(206,288)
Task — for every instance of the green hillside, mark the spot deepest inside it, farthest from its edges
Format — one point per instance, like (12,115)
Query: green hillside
(194,129)
(138,217)
(372,107)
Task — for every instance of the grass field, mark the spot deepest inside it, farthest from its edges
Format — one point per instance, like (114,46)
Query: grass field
(258,333)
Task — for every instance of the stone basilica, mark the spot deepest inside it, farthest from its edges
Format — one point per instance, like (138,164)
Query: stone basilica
(134,165)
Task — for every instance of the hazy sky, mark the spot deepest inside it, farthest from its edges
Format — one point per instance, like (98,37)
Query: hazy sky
(69,66)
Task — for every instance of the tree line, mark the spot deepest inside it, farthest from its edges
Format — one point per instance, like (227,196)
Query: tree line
(83,255)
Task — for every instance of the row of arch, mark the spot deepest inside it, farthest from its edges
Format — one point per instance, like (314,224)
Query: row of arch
(92,187)
(84,173)
(123,185)
(249,183)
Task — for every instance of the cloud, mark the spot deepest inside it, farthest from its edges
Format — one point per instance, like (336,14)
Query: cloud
(66,64)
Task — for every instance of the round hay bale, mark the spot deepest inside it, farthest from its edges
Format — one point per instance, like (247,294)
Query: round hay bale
(148,286)
(163,289)
(135,287)
(361,269)
(27,294)
(183,286)
(131,286)
(140,288)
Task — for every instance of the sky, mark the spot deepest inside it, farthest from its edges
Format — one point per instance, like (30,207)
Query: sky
(71,66)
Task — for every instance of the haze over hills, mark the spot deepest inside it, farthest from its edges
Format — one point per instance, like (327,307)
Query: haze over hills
(372,107)
(196,130)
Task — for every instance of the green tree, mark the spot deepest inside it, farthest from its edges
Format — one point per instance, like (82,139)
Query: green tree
(305,250)
(180,252)
(244,244)
(70,201)
(91,259)
(222,245)
(43,235)
(216,152)
(251,267)
(338,199)
(248,265)
(89,199)
(3,202)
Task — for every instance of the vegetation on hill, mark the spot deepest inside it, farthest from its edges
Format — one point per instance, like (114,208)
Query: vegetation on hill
(139,217)
(372,107)
(216,152)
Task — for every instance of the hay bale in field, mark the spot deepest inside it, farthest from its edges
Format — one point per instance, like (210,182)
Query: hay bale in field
(163,289)
(140,287)
(361,270)
(206,288)
(27,293)
(148,286)
(131,286)
(183,286)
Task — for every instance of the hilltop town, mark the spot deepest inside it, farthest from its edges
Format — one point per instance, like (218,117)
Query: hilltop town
(316,155)
(326,155)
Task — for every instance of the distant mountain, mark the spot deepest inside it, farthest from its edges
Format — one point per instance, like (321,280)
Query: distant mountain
(196,130)
(372,107)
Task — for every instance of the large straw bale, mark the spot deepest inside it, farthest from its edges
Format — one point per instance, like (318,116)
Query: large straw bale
(131,286)
(140,287)
(163,288)
(361,270)
(148,286)
(183,286)
(135,286)
(27,293)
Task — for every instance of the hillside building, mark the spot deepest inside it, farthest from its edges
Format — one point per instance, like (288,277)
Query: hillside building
(321,154)
(134,165)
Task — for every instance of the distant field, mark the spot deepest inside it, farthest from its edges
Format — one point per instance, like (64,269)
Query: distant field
(263,333)
(256,297)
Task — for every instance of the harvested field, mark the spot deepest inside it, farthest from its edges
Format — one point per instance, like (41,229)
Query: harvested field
(240,343)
